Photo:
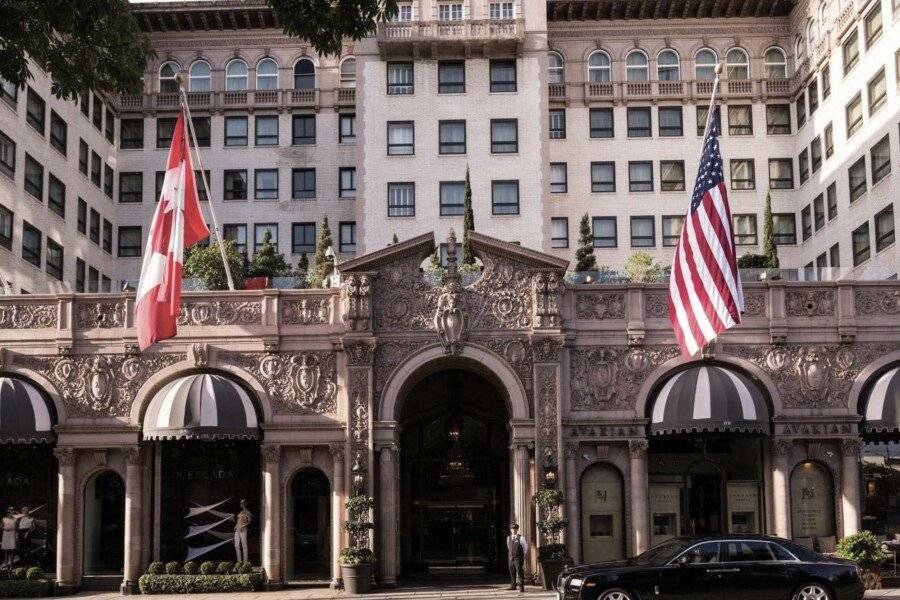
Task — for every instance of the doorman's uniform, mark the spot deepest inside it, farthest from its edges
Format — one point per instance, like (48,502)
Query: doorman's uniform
(517,548)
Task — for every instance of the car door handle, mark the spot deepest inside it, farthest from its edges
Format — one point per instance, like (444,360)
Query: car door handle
(735,570)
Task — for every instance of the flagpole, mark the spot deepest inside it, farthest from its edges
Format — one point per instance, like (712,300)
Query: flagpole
(712,98)
(209,198)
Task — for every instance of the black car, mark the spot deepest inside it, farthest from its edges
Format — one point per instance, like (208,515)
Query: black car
(727,567)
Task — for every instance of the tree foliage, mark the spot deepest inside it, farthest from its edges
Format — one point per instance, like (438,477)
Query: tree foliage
(205,263)
(326,23)
(640,268)
(323,264)
(769,248)
(468,257)
(84,46)
(268,262)
(584,255)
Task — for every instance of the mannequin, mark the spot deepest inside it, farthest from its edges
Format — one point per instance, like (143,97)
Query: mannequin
(26,527)
(241,525)
(8,540)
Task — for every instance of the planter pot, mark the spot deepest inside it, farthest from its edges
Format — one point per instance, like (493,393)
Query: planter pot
(550,570)
(357,578)
(256,283)
(871,579)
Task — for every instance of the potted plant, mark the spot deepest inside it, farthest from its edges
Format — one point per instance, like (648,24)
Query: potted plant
(552,554)
(865,550)
(357,560)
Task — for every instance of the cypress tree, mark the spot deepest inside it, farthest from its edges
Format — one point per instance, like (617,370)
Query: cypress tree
(268,262)
(769,249)
(395,239)
(584,255)
(324,264)
(468,258)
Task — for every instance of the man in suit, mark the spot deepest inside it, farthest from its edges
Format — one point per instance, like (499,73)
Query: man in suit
(517,548)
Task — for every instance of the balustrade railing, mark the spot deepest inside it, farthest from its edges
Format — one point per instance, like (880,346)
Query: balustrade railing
(692,89)
(496,29)
(231,99)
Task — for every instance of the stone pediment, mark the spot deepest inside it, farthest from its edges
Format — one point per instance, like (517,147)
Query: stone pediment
(418,247)
(485,246)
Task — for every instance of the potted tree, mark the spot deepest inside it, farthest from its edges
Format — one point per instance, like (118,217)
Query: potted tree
(552,554)
(357,559)
(865,550)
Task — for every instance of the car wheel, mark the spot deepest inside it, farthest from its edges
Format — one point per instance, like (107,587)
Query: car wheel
(615,594)
(812,591)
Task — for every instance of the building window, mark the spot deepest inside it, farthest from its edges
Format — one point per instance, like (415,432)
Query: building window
(671,175)
(743,174)
(96,169)
(6,227)
(639,122)
(80,269)
(31,244)
(402,199)
(778,119)
(452,196)
(601,122)
(803,165)
(559,183)
(781,173)
(831,200)
(815,153)
(861,248)
(643,234)
(670,121)
(235,184)
(829,140)
(165,128)
(450,12)
(93,280)
(604,232)
(267,74)
(856,176)
(131,187)
(167,82)
(671,229)
(98,113)
(705,65)
(399,78)
(347,236)
(108,181)
(806,222)
(557,124)
(404,13)
(304,75)
(107,236)
(784,228)
(347,182)
(56,195)
(110,132)
(265,184)
(776,64)
(826,82)
(303,183)
(236,76)
(35,111)
(850,52)
(505,197)
(347,129)
(199,76)
(94,231)
(737,64)
(131,134)
(58,132)
(259,235)
(800,104)
(451,77)
(503,76)
(636,66)
(599,67)
(266,130)
(501,10)
(603,177)
(34,178)
(744,230)
(640,176)
(834,256)
(884,229)
(504,136)
(452,137)
(9,92)
(880,157)
(559,232)
(129,241)
(199,179)
(400,138)
(812,92)
(872,25)
(83,157)
(556,68)
(235,131)
(877,92)
(7,155)
(237,233)
(668,66)
(819,212)
(303,238)
(304,130)
(740,120)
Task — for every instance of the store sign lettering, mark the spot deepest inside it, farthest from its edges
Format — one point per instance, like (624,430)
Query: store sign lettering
(15,480)
(208,474)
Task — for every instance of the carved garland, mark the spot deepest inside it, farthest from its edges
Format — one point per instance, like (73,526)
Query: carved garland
(608,378)
(220,312)
(547,418)
(297,382)
(28,316)
(306,311)
(359,428)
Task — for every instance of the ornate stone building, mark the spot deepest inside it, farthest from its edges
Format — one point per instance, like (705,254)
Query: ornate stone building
(451,403)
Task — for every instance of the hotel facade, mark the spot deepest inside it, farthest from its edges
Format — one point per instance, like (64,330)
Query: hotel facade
(294,399)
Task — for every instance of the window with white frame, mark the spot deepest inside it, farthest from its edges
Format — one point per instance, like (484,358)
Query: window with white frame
(501,10)
(236,76)
(167,73)
(348,73)
(555,68)
(737,64)
(599,67)
(636,68)
(404,12)
(705,65)
(199,77)
(402,199)
(668,66)
(267,75)
(775,63)
(450,11)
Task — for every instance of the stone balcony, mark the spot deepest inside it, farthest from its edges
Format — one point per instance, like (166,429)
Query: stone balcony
(686,90)
(421,39)
(248,100)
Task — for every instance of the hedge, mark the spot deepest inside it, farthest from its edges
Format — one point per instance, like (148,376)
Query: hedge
(197,584)
(32,588)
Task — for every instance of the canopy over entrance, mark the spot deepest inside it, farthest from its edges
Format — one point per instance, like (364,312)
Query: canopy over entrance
(25,417)
(882,412)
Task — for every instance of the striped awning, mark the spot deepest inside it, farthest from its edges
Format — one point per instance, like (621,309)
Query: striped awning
(709,398)
(25,417)
(202,406)
(882,414)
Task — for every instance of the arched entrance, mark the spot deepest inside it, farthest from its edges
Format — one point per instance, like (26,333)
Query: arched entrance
(104,524)
(309,526)
(812,502)
(454,482)
(602,514)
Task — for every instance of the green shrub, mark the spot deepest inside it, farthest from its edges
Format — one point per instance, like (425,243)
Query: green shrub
(156,568)
(189,568)
(197,584)
(207,568)
(351,557)
(35,574)
(173,568)
(19,573)
(14,588)
(548,498)
(553,552)
(243,567)
(863,548)
(753,261)
(225,567)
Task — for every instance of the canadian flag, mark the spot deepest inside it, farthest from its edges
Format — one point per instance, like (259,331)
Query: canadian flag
(178,223)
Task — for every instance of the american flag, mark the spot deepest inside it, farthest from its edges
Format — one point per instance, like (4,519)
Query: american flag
(705,295)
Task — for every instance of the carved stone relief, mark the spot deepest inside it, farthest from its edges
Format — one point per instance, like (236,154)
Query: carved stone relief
(357,300)
(810,302)
(388,356)
(99,315)
(656,305)
(28,316)
(877,302)
(755,304)
(548,290)
(608,378)
(517,353)
(402,300)
(359,426)
(360,352)
(598,306)
(306,311)
(220,312)
(297,382)
(548,413)
(98,385)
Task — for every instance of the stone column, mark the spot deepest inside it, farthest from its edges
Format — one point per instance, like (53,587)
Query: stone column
(640,495)
(520,484)
(270,523)
(572,504)
(781,488)
(851,503)
(134,515)
(388,514)
(337,511)
(65,519)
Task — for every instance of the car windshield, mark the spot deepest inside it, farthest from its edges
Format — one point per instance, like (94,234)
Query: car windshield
(660,555)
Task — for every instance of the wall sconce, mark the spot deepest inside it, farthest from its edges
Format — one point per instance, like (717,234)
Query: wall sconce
(357,476)
(549,469)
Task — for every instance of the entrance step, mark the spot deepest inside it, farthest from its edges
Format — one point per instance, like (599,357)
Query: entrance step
(454,570)
(101,583)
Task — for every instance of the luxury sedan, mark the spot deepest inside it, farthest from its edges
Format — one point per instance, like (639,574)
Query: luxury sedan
(728,567)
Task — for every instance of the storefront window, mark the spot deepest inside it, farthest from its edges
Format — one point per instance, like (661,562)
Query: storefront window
(28,487)
(881,489)
(812,501)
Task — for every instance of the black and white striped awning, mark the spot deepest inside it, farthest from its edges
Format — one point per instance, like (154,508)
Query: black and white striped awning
(882,415)
(25,417)
(202,406)
(709,398)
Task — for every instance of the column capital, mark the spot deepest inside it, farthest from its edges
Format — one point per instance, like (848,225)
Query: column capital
(65,456)
(782,446)
(851,447)
(571,450)
(638,448)
(271,453)
(133,454)
(521,445)
(337,451)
